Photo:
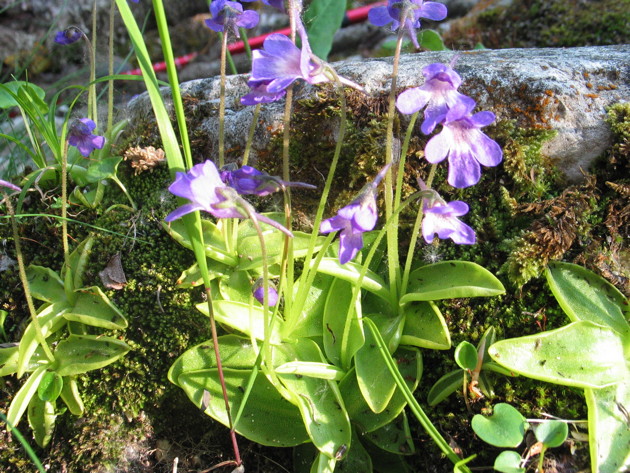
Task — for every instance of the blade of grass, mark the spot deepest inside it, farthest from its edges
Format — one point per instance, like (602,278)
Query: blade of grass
(171,71)
(169,138)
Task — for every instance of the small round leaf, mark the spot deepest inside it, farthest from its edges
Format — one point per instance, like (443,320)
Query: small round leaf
(466,356)
(508,462)
(552,433)
(504,428)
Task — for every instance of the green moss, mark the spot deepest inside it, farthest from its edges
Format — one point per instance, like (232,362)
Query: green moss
(543,23)
(619,120)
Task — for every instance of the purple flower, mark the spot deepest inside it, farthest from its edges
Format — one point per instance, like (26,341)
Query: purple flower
(441,218)
(260,94)
(202,185)
(407,12)
(9,185)
(228,14)
(277,66)
(438,93)
(68,36)
(280,63)
(465,145)
(80,135)
(249,180)
(354,219)
(258,291)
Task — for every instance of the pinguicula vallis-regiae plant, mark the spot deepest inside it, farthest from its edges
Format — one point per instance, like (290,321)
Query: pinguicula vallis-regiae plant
(321,331)
(75,328)
(326,358)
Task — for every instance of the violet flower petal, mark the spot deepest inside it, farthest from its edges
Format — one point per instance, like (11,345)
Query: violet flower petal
(332,224)
(68,36)
(438,147)
(199,186)
(463,168)
(249,19)
(379,16)
(260,94)
(350,242)
(355,218)
(439,95)
(9,185)
(486,151)
(433,11)
(80,135)
(181,211)
(412,100)
(413,11)
(214,25)
(259,295)
(229,14)
(249,180)
(441,219)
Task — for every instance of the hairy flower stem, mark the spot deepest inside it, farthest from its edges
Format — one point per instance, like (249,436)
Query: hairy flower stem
(286,136)
(252,127)
(64,202)
(287,272)
(401,168)
(392,243)
(92,103)
(412,245)
(431,176)
(295,10)
(217,355)
(222,102)
(414,234)
(286,177)
(266,360)
(110,68)
(250,136)
(27,290)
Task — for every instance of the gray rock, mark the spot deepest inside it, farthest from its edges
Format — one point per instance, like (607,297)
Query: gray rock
(566,90)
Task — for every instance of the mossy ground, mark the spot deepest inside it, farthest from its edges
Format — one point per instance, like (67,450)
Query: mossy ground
(542,23)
